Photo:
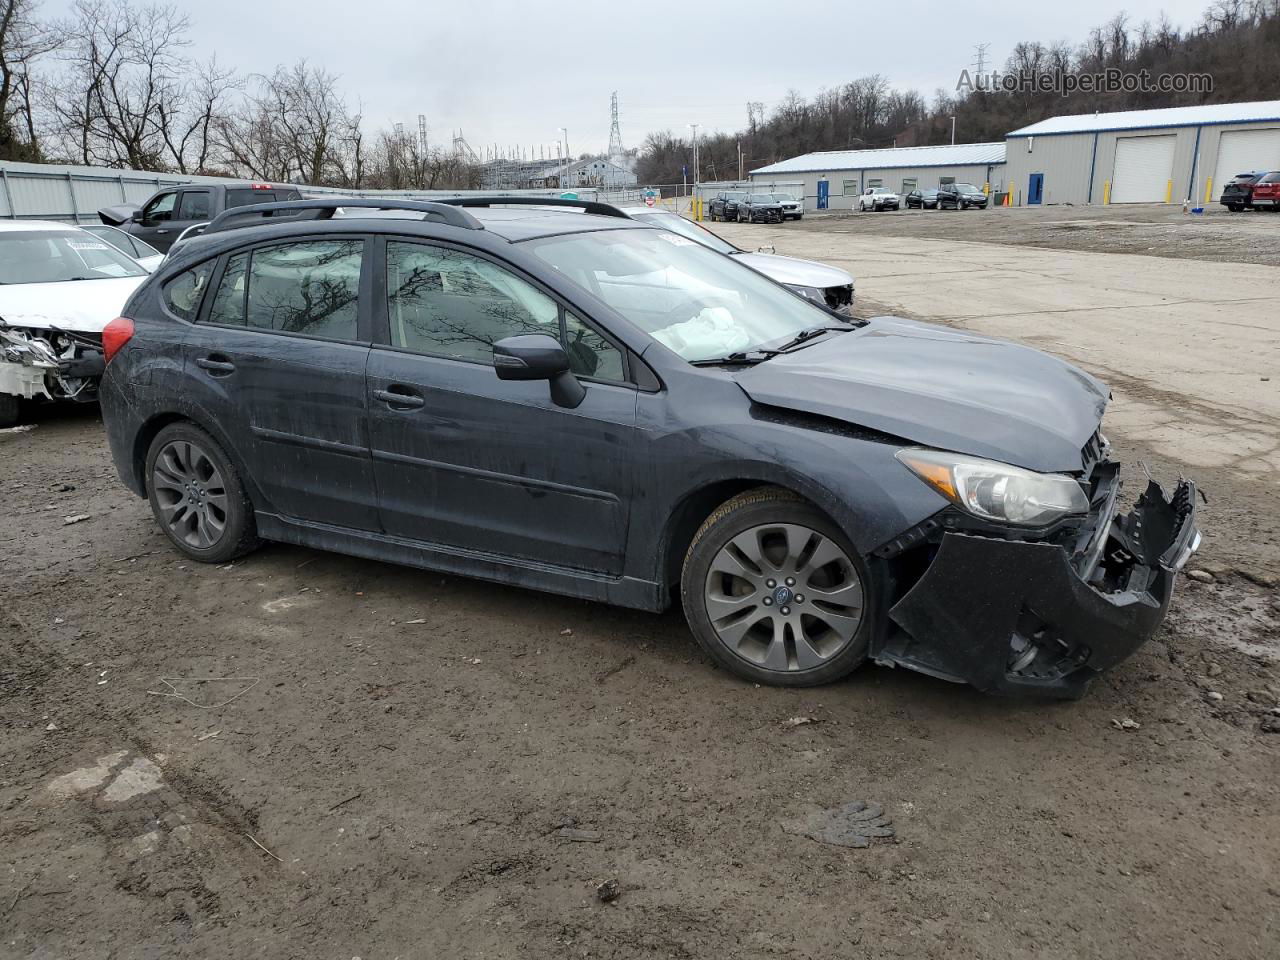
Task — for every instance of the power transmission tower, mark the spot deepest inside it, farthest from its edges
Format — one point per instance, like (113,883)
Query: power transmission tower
(422,134)
(615,132)
(980,60)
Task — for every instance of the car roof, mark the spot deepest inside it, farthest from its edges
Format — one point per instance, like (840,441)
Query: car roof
(28,226)
(510,224)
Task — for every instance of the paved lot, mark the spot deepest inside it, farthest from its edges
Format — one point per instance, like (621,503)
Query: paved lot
(407,747)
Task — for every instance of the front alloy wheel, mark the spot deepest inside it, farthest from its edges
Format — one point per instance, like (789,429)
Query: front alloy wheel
(774,592)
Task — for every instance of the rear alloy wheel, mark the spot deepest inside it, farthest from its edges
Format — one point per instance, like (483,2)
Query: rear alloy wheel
(774,592)
(197,497)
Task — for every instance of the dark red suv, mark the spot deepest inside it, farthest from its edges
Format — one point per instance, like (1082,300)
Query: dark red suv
(1266,192)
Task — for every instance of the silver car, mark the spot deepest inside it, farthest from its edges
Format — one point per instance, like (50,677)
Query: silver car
(817,281)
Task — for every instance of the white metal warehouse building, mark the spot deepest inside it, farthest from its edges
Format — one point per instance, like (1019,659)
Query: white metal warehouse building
(838,177)
(1142,156)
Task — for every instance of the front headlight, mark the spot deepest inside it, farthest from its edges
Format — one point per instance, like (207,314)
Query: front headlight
(997,491)
(809,293)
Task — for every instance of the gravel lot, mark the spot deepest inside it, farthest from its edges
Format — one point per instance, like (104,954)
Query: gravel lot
(403,751)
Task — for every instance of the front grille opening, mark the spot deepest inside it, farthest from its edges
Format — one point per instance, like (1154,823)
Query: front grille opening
(1038,652)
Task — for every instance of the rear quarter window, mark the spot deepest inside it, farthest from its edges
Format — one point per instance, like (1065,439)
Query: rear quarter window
(182,294)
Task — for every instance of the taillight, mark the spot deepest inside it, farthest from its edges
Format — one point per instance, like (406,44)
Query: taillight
(114,336)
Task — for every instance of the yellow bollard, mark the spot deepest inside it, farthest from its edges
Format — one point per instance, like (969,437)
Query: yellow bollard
(986,188)
(1168,192)
(1106,192)
(1208,189)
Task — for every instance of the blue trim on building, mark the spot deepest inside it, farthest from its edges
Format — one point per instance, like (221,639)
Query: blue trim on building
(887,166)
(1195,159)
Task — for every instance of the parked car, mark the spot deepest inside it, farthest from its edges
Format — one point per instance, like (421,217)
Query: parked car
(759,208)
(1237,195)
(960,196)
(878,198)
(1266,192)
(595,407)
(168,212)
(724,205)
(924,199)
(59,287)
(817,281)
(792,209)
(141,251)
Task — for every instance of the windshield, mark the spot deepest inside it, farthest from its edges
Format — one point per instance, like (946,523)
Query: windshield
(967,188)
(761,198)
(687,228)
(51,256)
(128,245)
(783,197)
(698,303)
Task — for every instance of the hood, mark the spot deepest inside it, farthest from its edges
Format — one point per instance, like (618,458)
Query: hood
(941,388)
(82,306)
(794,272)
(121,213)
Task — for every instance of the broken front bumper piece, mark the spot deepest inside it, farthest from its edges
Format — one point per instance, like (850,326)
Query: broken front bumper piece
(1018,617)
(49,363)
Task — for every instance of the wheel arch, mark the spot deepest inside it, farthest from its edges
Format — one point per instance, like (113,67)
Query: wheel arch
(693,508)
(151,428)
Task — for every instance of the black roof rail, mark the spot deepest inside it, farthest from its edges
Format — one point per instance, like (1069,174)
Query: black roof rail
(586,206)
(326,208)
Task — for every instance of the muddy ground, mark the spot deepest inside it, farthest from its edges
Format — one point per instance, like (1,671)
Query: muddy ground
(402,751)
(1154,230)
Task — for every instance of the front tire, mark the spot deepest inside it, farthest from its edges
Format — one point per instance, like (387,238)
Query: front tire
(197,496)
(10,410)
(775,592)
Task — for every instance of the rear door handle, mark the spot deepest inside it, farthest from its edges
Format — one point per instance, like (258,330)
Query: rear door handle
(216,367)
(395,398)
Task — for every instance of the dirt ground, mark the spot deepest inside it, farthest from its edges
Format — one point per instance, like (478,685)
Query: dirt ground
(1153,230)
(402,753)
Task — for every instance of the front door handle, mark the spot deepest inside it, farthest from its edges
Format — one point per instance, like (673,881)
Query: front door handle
(395,398)
(219,368)
(162,231)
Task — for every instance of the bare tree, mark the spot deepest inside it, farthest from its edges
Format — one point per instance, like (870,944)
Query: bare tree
(295,125)
(22,40)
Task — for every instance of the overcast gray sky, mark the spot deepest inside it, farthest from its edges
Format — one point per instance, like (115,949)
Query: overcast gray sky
(512,72)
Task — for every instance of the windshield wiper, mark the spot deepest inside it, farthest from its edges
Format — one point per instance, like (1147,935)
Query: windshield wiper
(740,356)
(810,333)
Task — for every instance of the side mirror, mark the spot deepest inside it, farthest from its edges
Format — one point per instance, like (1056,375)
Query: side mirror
(536,356)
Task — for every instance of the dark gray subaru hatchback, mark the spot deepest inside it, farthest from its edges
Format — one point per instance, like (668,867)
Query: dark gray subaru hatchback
(573,401)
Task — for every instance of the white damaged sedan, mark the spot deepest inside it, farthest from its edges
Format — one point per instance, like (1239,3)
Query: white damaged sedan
(59,287)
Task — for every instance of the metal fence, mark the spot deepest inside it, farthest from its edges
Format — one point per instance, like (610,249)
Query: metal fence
(41,191)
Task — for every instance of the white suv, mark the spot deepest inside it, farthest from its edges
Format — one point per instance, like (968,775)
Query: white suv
(878,198)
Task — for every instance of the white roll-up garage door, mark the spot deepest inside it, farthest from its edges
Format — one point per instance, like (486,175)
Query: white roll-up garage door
(1240,151)
(1143,168)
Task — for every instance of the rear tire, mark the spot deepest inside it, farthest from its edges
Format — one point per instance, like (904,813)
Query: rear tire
(10,410)
(812,626)
(197,496)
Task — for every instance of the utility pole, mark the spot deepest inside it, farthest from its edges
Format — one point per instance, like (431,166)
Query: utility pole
(739,159)
(953,130)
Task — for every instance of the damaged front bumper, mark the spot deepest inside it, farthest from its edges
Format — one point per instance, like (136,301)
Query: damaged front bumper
(51,364)
(1024,617)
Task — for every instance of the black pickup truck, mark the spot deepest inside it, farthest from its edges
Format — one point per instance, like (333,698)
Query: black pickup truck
(168,212)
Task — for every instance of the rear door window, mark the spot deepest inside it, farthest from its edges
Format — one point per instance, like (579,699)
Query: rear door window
(311,287)
(194,205)
(242,196)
